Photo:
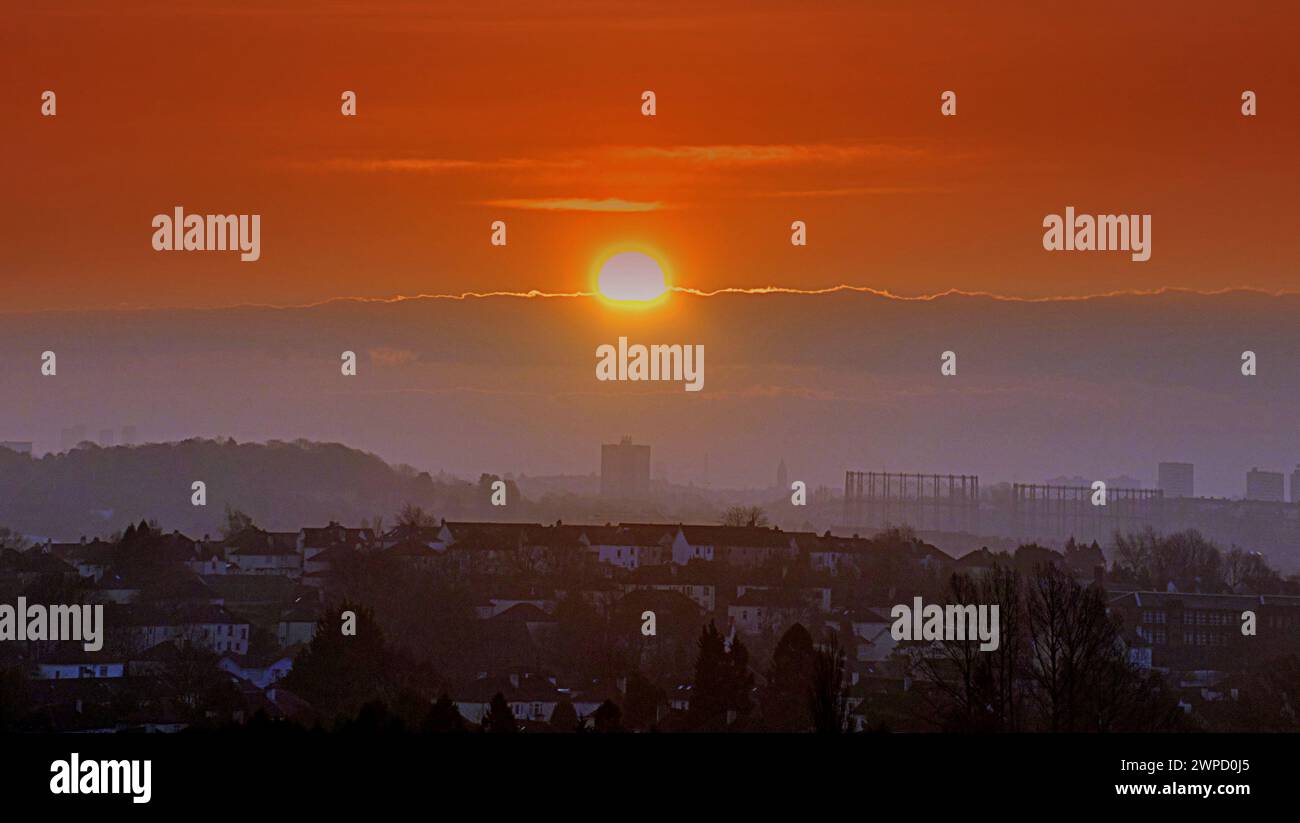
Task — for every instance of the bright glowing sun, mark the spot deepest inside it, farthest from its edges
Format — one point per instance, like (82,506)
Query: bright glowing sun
(631,276)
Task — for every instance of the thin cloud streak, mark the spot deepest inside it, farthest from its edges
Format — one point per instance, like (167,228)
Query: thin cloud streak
(853,191)
(433,165)
(535,294)
(609,204)
(770,154)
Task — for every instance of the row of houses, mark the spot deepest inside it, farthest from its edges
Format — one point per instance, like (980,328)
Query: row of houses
(751,581)
(631,546)
(70,661)
(310,553)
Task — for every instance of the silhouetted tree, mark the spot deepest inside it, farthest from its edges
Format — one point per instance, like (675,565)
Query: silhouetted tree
(413,517)
(15,699)
(1154,561)
(784,698)
(499,719)
(443,717)
(1077,663)
(236,522)
(373,718)
(828,700)
(740,679)
(966,687)
(642,702)
(744,516)
(193,682)
(10,539)
(1249,572)
(607,718)
(722,682)
(564,718)
(337,674)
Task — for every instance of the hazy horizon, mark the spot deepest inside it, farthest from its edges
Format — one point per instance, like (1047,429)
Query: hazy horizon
(1101,387)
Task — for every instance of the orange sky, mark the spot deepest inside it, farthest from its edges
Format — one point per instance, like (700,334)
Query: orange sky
(768,112)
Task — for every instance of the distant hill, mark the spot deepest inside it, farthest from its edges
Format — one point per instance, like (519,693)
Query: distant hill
(96,491)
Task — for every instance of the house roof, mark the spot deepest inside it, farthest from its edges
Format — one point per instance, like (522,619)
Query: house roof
(658,600)
(333,554)
(291,705)
(771,599)
(1191,600)
(867,615)
(523,613)
(492,535)
(135,614)
(669,574)
(334,534)
(195,613)
(407,548)
(32,561)
(74,652)
(262,660)
(425,534)
(557,536)
(94,551)
(812,542)
(179,587)
(148,614)
(253,588)
(164,652)
(255,541)
(741,536)
(632,534)
(979,558)
(300,613)
(527,689)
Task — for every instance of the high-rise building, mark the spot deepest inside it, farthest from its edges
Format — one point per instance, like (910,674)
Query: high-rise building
(128,435)
(20,446)
(624,470)
(1176,480)
(1262,485)
(1295,485)
(782,476)
(106,437)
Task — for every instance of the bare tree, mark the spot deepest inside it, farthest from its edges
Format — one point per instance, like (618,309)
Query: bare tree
(11,539)
(1071,640)
(236,522)
(971,689)
(744,516)
(414,517)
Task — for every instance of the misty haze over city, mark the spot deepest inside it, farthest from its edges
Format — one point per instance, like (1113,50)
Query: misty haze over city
(1100,388)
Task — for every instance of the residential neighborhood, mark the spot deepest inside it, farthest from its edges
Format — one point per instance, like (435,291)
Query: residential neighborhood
(572,626)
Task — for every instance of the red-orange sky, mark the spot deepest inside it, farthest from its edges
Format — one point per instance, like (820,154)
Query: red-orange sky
(767,112)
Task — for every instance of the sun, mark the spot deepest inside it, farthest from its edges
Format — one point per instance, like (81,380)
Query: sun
(631,277)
